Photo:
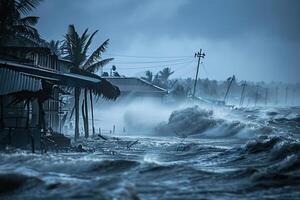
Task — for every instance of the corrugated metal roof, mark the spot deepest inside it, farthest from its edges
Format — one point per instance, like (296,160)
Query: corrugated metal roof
(12,81)
(97,84)
(48,74)
(132,84)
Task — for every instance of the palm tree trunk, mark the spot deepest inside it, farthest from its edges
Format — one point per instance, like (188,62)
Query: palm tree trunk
(77,97)
(92,112)
(86,119)
(83,116)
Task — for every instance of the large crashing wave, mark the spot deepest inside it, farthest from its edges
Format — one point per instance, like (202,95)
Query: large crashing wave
(195,120)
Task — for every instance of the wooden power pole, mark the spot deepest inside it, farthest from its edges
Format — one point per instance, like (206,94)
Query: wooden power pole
(198,55)
(243,94)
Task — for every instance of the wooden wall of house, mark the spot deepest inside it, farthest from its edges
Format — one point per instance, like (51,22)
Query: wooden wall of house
(46,61)
(14,116)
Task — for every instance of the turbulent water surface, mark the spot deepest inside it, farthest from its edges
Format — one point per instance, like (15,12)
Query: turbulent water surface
(200,154)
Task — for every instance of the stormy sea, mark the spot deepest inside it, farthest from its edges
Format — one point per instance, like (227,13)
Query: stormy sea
(196,153)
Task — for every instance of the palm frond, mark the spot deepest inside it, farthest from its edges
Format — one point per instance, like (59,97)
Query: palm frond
(96,66)
(25,6)
(29,21)
(96,54)
(87,45)
(27,31)
(103,89)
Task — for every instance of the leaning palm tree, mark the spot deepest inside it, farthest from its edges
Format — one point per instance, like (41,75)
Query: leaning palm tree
(15,27)
(75,48)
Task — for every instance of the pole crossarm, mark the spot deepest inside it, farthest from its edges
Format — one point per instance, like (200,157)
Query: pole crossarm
(198,55)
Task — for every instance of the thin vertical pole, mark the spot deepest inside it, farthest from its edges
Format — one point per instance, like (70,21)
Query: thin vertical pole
(27,117)
(276,93)
(266,96)
(228,88)
(92,112)
(242,94)
(199,55)
(256,95)
(86,120)
(286,95)
(2,112)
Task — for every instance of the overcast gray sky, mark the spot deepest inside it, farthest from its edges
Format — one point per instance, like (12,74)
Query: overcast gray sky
(254,39)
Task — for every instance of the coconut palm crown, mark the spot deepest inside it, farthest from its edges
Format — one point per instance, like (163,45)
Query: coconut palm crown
(13,25)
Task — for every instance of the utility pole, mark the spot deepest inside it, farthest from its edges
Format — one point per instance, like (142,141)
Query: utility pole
(243,94)
(286,95)
(198,55)
(231,79)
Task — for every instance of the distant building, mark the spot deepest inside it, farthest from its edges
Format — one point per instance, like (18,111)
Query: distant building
(136,87)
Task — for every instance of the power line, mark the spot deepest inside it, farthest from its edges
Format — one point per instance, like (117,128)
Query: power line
(156,66)
(160,61)
(133,56)
(206,72)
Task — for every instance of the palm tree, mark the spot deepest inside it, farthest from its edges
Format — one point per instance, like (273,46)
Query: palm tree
(13,25)
(54,46)
(165,74)
(75,48)
(148,76)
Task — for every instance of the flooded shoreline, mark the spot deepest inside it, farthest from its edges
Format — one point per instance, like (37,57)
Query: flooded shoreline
(264,166)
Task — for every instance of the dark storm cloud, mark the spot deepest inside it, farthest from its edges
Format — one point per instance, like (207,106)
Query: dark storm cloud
(244,37)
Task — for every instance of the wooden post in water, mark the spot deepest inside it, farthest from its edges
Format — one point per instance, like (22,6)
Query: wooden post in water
(266,96)
(256,95)
(293,96)
(286,95)
(276,94)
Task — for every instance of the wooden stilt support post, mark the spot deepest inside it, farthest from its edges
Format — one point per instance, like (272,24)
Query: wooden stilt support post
(77,98)
(2,112)
(92,112)
(86,121)
(27,117)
